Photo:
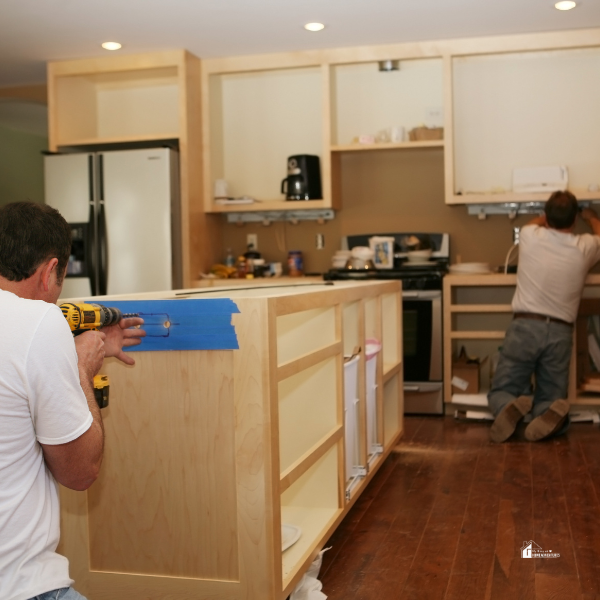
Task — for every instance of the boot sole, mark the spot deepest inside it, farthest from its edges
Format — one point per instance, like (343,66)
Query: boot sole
(548,423)
(508,419)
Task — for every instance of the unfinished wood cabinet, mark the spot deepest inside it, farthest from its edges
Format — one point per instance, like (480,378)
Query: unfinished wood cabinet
(210,453)
(494,96)
(505,108)
(253,121)
(114,102)
(477,312)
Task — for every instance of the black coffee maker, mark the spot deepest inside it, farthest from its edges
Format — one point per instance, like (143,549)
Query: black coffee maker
(304,178)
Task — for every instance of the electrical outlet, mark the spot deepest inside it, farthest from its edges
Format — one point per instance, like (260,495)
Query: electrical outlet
(252,240)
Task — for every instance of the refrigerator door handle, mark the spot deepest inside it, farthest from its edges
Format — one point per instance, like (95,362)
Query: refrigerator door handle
(91,252)
(102,251)
(101,177)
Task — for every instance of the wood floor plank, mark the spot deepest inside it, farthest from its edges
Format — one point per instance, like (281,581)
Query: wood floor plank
(369,533)
(552,531)
(435,554)
(476,548)
(513,577)
(583,512)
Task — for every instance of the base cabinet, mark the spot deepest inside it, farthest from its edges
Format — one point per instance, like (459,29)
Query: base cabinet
(209,454)
(477,312)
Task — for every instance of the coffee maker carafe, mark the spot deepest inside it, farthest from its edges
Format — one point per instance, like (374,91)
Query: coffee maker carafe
(304,178)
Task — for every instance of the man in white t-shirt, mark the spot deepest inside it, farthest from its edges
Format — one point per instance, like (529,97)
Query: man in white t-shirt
(50,425)
(553,264)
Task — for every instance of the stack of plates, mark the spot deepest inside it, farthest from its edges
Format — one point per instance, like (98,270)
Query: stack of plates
(290,534)
(340,258)
(470,269)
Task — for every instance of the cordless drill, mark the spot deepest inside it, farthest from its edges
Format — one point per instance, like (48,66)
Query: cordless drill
(91,317)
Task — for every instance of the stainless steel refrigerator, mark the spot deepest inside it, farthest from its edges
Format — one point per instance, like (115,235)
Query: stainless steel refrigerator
(123,208)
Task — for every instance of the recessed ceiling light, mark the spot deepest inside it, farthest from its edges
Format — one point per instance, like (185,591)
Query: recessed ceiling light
(565,5)
(111,45)
(314,26)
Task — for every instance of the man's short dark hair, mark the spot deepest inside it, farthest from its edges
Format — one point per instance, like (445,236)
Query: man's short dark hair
(31,234)
(561,210)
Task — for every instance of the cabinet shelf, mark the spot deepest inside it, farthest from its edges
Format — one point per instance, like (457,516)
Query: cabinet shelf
(269,205)
(477,335)
(509,197)
(389,370)
(305,462)
(388,146)
(315,524)
(481,308)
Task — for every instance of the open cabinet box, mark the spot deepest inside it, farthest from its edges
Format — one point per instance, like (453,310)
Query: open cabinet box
(210,453)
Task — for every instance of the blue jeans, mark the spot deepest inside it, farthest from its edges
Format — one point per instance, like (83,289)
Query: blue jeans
(537,348)
(61,594)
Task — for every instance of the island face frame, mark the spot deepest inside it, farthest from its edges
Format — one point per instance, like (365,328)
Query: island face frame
(209,452)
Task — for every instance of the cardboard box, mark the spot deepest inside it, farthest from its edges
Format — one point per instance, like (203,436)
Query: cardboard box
(422,134)
(465,378)
(466,374)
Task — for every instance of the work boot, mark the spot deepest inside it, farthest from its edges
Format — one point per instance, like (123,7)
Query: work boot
(508,418)
(548,423)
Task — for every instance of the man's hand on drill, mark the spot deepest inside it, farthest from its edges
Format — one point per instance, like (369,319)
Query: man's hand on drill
(91,350)
(120,336)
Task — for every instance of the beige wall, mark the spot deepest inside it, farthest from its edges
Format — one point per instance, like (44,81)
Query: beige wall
(386,191)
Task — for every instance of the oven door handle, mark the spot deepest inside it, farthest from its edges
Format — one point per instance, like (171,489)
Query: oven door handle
(422,295)
(412,388)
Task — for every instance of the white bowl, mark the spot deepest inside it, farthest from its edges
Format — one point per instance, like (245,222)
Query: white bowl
(362,252)
(419,256)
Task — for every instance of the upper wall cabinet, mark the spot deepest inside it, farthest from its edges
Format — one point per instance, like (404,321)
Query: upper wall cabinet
(368,101)
(504,102)
(255,121)
(129,98)
(525,109)
(144,98)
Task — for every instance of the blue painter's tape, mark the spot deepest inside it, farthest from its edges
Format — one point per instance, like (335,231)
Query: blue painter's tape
(185,324)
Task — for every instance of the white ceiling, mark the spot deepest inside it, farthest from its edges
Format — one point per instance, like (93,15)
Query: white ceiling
(35,31)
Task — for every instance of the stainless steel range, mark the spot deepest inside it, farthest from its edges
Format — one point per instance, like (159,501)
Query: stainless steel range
(422,313)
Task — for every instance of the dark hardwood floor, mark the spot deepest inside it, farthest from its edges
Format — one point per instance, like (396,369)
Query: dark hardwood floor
(448,512)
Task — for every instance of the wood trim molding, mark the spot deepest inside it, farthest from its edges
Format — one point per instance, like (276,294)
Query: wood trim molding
(309,458)
(576,38)
(308,360)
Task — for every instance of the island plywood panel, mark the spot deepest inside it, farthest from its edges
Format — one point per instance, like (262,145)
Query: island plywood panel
(165,502)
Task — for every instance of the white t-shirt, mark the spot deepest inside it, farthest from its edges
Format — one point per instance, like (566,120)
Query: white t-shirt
(41,400)
(552,271)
